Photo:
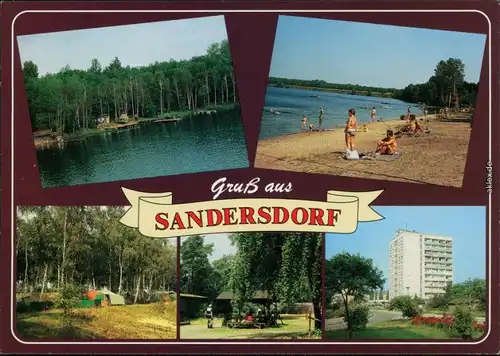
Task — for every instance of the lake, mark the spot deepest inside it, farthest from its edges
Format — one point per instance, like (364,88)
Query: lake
(195,144)
(293,104)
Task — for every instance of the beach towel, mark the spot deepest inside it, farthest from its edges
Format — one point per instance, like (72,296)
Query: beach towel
(385,158)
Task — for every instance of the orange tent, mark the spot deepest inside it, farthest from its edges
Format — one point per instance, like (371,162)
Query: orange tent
(92,294)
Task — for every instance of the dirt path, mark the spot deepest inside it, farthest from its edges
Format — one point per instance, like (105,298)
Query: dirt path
(436,158)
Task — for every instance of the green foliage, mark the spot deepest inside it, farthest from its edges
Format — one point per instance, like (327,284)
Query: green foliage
(221,272)
(407,305)
(464,323)
(286,265)
(334,313)
(471,292)
(318,334)
(73,99)
(351,275)
(448,76)
(68,297)
(357,317)
(438,302)
(87,245)
(195,266)
(322,85)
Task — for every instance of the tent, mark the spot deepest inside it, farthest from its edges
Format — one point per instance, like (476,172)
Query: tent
(112,298)
(100,298)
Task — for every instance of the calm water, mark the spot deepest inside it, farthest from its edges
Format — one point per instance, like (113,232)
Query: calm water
(198,144)
(293,104)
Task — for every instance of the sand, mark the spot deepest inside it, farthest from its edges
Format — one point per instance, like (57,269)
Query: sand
(438,157)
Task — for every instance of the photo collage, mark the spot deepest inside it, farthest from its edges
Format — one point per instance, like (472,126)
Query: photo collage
(249,178)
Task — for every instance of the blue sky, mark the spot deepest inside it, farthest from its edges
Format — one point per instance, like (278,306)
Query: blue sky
(134,45)
(222,245)
(369,54)
(466,225)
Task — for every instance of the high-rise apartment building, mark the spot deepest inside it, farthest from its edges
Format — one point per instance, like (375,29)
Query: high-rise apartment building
(419,264)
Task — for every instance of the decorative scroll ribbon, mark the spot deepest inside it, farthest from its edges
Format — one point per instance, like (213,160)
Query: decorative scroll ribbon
(156,216)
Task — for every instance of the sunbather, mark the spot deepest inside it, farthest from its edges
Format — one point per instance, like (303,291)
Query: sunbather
(387,145)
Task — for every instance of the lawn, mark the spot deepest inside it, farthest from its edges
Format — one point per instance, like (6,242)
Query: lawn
(148,321)
(296,327)
(394,329)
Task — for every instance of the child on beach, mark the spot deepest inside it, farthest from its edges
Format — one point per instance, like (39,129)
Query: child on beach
(374,113)
(388,145)
(350,129)
(304,123)
(313,128)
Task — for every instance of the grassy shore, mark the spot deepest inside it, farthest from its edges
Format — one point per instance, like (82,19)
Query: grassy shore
(148,321)
(436,158)
(84,133)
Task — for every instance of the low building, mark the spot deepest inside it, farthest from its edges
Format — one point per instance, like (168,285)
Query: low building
(191,305)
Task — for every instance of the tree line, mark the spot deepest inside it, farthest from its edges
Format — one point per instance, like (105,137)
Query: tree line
(442,88)
(72,99)
(88,246)
(286,265)
(322,85)
(439,90)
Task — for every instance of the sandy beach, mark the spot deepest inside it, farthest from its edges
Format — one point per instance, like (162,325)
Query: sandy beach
(438,157)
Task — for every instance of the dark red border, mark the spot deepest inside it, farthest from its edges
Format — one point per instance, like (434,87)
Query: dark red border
(249,33)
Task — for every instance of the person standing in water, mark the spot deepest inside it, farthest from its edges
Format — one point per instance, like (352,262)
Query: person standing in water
(408,113)
(304,123)
(321,113)
(350,129)
(374,113)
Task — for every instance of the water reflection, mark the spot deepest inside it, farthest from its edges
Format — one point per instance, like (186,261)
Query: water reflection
(195,144)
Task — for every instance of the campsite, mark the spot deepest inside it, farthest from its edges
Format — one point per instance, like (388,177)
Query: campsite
(278,297)
(83,275)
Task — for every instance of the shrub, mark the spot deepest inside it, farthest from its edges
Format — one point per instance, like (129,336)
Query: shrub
(68,298)
(334,313)
(439,302)
(358,316)
(464,325)
(317,334)
(407,305)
